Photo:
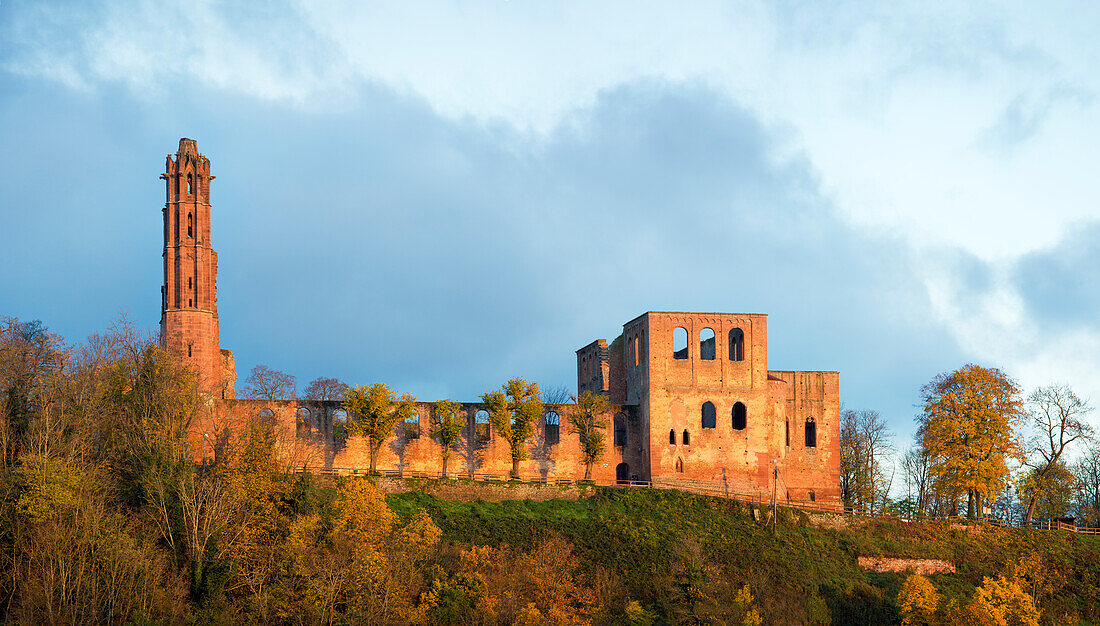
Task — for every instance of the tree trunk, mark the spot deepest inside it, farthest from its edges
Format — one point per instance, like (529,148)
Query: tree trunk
(515,467)
(588,471)
(1030,509)
(970,504)
(373,455)
(445,465)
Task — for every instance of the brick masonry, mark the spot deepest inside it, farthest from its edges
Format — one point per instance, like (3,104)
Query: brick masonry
(661,394)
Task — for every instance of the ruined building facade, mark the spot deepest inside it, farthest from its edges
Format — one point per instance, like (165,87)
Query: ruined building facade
(693,401)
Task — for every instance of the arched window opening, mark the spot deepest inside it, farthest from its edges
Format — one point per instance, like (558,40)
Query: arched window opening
(267,417)
(552,424)
(679,465)
(622,473)
(710,417)
(190,226)
(304,414)
(737,345)
(686,438)
(190,185)
(740,416)
(340,416)
(303,422)
(620,429)
(635,346)
(680,343)
(412,426)
(813,497)
(481,425)
(672,437)
(707,347)
(811,433)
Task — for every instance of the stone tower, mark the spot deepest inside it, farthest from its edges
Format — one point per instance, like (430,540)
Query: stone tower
(189,295)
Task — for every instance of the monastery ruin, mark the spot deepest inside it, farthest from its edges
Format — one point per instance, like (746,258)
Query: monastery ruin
(693,400)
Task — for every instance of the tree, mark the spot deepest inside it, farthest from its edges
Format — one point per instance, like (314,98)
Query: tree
(1048,490)
(968,429)
(587,420)
(448,430)
(918,483)
(325,390)
(264,383)
(1058,415)
(917,601)
(513,411)
(1087,473)
(865,442)
(27,353)
(374,411)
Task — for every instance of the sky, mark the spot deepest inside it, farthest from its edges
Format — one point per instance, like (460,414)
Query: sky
(445,195)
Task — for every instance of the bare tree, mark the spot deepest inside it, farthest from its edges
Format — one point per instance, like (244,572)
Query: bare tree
(915,466)
(326,390)
(557,395)
(865,445)
(1087,472)
(264,383)
(1057,414)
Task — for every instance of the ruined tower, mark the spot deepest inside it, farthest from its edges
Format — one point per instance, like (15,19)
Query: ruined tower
(189,294)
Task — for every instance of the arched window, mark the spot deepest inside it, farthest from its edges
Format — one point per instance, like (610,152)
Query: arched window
(481,425)
(686,438)
(811,433)
(190,225)
(552,423)
(412,426)
(303,414)
(340,416)
(680,343)
(267,416)
(737,345)
(620,429)
(190,187)
(679,465)
(707,348)
(622,473)
(710,418)
(672,437)
(740,416)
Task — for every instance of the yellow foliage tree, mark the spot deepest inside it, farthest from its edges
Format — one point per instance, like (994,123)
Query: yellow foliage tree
(968,429)
(1001,601)
(917,601)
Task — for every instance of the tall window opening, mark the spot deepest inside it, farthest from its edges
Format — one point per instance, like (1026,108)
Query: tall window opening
(412,426)
(620,429)
(481,425)
(190,187)
(737,345)
(672,437)
(710,418)
(188,282)
(635,350)
(188,350)
(190,302)
(707,349)
(680,343)
(811,433)
(787,432)
(740,416)
(552,423)
(190,225)
(813,496)
(679,465)
(686,438)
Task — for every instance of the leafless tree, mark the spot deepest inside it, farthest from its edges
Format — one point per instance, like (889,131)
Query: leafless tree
(1087,472)
(264,383)
(557,395)
(866,443)
(1057,414)
(325,390)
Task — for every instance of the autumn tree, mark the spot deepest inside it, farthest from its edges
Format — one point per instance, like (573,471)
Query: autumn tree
(513,411)
(1048,490)
(917,601)
(28,351)
(325,389)
(587,420)
(448,428)
(1087,473)
(374,411)
(1058,416)
(264,383)
(968,429)
(865,443)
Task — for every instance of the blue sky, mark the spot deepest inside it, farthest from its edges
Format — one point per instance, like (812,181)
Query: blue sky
(445,195)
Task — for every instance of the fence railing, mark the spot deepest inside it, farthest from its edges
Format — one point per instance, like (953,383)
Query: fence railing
(705,488)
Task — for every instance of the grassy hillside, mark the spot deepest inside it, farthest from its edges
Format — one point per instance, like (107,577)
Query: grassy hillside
(682,557)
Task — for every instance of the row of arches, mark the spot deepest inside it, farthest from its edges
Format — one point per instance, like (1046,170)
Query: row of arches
(708,345)
(739,416)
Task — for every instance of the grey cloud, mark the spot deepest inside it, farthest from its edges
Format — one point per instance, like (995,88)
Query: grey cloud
(1061,285)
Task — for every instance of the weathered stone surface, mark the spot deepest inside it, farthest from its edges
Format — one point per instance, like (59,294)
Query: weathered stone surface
(923,567)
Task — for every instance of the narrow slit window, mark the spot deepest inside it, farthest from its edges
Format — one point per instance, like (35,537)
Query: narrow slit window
(672,437)
(190,226)
(188,350)
(787,432)
(680,343)
(707,348)
(737,345)
(686,438)
(190,185)
(188,282)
